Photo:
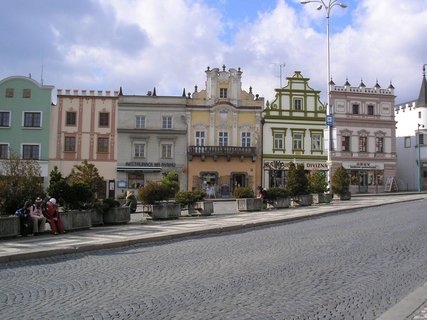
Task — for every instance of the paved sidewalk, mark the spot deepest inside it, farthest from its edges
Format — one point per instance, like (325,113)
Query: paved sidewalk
(225,218)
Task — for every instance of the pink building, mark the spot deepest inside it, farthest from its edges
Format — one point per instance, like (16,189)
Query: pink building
(365,135)
(83,127)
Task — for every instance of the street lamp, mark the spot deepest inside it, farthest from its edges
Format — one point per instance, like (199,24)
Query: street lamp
(419,157)
(328,5)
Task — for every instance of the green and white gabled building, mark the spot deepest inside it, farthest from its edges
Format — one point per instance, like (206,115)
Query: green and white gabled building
(293,130)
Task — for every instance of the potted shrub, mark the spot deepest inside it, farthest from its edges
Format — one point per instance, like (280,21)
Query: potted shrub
(246,200)
(278,197)
(298,186)
(318,187)
(153,197)
(111,212)
(341,184)
(194,202)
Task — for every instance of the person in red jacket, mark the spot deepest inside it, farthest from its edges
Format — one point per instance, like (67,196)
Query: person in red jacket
(53,216)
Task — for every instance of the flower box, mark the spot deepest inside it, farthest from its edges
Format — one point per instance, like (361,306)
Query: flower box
(117,215)
(76,220)
(9,226)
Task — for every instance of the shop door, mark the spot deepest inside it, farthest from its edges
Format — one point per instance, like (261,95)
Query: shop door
(363,181)
(238,180)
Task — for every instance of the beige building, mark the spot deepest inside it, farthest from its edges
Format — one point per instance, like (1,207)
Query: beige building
(83,127)
(151,139)
(365,135)
(224,135)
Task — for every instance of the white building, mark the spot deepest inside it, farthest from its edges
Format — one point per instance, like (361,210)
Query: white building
(412,128)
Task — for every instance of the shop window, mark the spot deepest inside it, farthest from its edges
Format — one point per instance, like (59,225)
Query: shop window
(136,181)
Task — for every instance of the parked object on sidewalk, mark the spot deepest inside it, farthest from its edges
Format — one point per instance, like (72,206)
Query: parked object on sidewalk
(246,200)
(341,184)
(278,198)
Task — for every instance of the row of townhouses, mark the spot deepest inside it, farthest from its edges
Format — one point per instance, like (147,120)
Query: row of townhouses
(221,137)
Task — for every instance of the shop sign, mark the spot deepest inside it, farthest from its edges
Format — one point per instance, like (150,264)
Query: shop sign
(284,165)
(363,165)
(150,164)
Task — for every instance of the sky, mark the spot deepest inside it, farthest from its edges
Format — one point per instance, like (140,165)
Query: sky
(168,44)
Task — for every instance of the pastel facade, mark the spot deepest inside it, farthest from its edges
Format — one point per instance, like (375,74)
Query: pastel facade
(411,141)
(25,120)
(224,135)
(83,127)
(152,140)
(293,131)
(365,135)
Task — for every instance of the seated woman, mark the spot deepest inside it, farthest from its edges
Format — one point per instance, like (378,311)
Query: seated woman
(131,201)
(37,215)
(52,214)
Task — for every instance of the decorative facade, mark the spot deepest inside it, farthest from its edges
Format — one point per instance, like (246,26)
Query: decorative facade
(224,135)
(152,140)
(365,135)
(411,132)
(83,127)
(293,131)
(25,120)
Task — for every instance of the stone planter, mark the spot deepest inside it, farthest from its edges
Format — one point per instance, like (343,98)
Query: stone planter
(163,211)
(343,196)
(9,226)
(97,218)
(75,220)
(322,197)
(118,215)
(281,203)
(302,200)
(201,208)
(249,204)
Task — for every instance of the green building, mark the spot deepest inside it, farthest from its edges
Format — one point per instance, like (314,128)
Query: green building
(25,120)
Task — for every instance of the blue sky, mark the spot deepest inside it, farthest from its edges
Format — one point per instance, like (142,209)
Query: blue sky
(168,44)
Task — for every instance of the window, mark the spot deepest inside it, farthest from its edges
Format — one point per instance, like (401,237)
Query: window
(140,122)
(139,150)
(355,109)
(421,139)
(298,104)
(278,140)
(316,142)
(200,138)
(223,93)
(223,139)
(246,139)
(407,142)
(371,110)
(4,151)
(167,122)
(32,119)
(4,119)
(104,119)
(70,144)
(419,114)
(70,118)
(379,144)
(345,143)
(363,144)
(31,152)
(103,145)
(9,92)
(297,141)
(26,93)
(166,151)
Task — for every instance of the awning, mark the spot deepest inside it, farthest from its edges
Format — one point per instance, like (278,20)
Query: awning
(138,169)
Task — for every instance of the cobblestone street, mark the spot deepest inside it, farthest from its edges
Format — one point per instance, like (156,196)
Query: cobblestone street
(348,266)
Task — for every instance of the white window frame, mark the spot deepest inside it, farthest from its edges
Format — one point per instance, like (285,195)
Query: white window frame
(408,142)
(7,149)
(166,150)
(140,121)
(167,122)
(137,152)
(297,143)
(223,93)
(316,142)
(33,145)
(278,140)
(10,118)
(246,138)
(24,113)
(379,149)
(200,138)
(223,139)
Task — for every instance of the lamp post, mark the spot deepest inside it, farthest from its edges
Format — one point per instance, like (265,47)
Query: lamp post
(328,5)
(419,157)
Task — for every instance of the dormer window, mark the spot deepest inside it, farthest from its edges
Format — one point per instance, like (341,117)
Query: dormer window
(223,93)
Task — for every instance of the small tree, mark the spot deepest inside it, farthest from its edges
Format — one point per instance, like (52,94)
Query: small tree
(153,192)
(340,181)
(243,192)
(20,181)
(170,181)
(58,187)
(297,180)
(317,182)
(87,174)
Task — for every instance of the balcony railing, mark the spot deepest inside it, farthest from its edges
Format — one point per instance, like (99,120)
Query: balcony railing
(217,151)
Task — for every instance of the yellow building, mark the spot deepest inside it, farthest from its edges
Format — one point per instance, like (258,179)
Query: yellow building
(224,135)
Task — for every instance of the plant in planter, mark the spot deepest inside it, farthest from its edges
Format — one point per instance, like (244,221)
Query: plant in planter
(112,212)
(153,196)
(298,186)
(318,186)
(194,202)
(341,183)
(246,200)
(278,197)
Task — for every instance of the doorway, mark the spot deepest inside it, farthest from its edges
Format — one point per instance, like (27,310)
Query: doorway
(363,181)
